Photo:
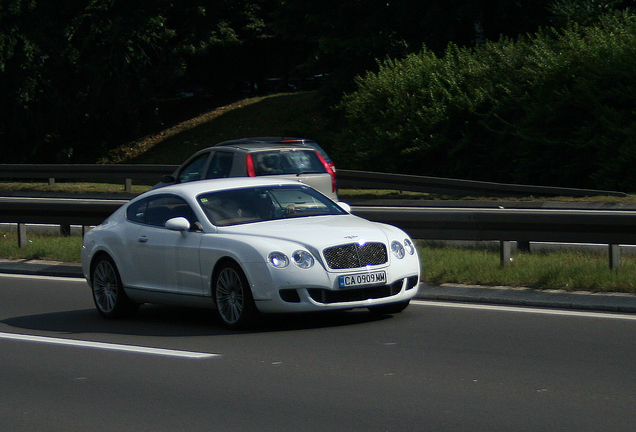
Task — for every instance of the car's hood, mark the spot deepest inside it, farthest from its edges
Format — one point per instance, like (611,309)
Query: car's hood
(317,231)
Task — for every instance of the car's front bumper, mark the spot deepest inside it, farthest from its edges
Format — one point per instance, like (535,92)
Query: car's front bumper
(317,299)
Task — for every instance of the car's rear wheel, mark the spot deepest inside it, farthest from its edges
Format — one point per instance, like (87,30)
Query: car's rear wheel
(390,308)
(108,293)
(234,302)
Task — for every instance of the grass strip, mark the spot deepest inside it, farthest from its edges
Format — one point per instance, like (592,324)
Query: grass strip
(41,245)
(573,269)
(566,269)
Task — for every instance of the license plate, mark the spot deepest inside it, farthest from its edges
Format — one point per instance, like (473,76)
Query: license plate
(362,279)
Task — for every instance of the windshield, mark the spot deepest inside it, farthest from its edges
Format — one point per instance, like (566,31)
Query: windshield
(238,206)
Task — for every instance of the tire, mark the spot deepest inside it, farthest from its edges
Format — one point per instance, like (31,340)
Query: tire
(234,302)
(108,293)
(390,308)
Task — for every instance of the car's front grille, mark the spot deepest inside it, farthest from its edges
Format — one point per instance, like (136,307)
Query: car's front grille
(354,255)
(356,294)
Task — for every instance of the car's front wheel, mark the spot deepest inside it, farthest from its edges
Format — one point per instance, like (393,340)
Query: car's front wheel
(108,293)
(234,302)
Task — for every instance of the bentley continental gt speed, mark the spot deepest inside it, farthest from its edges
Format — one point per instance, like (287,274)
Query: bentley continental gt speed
(247,246)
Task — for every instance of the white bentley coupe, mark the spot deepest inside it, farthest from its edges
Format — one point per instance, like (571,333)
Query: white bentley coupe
(247,246)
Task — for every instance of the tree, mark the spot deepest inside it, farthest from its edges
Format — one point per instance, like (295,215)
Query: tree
(350,36)
(80,76)
(554,108)
(586,12)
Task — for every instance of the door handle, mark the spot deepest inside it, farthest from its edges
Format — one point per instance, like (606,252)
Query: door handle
(142,239)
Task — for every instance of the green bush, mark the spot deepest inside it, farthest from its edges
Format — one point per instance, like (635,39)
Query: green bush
(554,108)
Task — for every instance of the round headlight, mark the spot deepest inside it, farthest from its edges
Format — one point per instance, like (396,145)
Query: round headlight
(408,245)
(397,249)
(303,259)
(278,259)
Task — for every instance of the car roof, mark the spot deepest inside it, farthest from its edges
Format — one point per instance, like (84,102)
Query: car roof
(247,143)
(255,145)
(202,186)
(270,140)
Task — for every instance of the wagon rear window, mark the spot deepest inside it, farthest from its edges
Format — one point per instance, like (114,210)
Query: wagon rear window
(287,162)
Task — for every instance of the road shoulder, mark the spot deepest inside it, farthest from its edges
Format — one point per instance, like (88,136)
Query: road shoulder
(580,300)
(607,302)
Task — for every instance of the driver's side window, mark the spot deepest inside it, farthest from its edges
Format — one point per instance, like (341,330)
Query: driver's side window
(220,165)
(193,170)
(157,210)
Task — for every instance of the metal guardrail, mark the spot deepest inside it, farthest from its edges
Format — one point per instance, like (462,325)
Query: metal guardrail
(571,226)
(58,211)
(62,211)
(373,180)
(611,227)
(346,179)
(128,172)
(504,225)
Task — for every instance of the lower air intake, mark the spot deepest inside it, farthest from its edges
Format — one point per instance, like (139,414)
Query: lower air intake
(325,296)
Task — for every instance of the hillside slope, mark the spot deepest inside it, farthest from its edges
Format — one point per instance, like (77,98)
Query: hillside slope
(286,114)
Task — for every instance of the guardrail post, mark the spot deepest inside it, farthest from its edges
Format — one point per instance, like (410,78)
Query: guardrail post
(22,239)
(128,185)
(614,256)
(65,230)
(505,252)
(51,181)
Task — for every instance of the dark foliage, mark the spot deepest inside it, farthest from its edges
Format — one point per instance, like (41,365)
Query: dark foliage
(450,87)
(556,108)
(78,77)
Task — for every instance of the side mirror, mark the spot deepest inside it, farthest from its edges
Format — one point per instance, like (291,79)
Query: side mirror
(343,205)
(168,179)
(178,224)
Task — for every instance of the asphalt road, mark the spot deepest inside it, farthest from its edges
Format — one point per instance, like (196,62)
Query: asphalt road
(435,367)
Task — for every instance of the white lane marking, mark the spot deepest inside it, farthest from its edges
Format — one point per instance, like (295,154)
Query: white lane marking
(525,309)
(41,277)
(108,346)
